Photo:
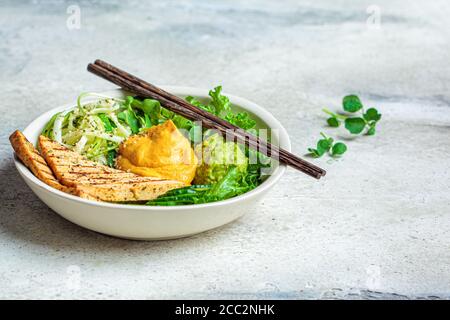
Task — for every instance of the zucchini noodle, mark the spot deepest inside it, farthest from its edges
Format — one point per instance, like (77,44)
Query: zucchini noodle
(92,129)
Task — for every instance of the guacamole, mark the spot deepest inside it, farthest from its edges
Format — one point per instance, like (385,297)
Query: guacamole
(216,156)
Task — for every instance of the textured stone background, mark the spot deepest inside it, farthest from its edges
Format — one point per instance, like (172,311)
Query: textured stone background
(377,226)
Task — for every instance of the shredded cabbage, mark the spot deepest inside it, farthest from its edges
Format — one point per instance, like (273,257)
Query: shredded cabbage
(92,129)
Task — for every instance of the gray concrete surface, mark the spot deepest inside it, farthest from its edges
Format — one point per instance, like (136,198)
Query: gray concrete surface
(378,226)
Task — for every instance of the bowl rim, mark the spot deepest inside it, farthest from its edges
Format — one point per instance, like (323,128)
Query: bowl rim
(243,103)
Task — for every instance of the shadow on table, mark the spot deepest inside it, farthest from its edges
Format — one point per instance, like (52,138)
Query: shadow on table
(23,216)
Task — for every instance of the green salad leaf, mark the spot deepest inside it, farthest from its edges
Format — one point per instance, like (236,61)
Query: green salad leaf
(200,105)
(241,120)
(232,184)
(228,186)
(187,195)
(106,122)
(129,118)
(111,158)
(220,106)
(220,102)
(150,107)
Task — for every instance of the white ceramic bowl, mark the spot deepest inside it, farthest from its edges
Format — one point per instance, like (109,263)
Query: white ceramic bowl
(148,222)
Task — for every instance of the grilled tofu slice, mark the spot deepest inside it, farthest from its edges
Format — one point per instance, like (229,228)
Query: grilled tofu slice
(100,182)
(31,158)
(139,191)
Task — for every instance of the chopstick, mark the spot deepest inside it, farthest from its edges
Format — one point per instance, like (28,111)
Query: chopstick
(136,85)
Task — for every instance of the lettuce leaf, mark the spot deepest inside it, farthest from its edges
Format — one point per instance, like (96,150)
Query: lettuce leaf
(219,102)
(200,105)
(241,120)
(220,106)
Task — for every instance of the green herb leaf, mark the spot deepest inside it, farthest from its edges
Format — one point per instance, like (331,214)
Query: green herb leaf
(330,140)
(339,148)
(153,109)
(186,195)
(144,121)
(200,105)
(351,103)
(228,186)
(333,122)
(371,131)
(355,125)
(110,158)
(106,122)
(324,145)
(181,122)
(129,118)
(315,153)
(147,121)
(241,119)
(372,115)
(219,102)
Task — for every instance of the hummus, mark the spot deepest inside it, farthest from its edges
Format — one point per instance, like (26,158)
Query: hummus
(160,151)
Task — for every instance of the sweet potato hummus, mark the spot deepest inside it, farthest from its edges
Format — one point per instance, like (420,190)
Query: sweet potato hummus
(160,151)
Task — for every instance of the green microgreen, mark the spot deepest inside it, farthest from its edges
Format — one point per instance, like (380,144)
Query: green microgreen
(351,103)
(338,149)
(355,124)
(327,145)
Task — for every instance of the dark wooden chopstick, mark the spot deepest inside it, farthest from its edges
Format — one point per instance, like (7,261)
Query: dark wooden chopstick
(178,105)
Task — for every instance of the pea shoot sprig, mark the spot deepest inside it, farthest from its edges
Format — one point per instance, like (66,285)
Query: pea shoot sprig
(326,144)
(355,123)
